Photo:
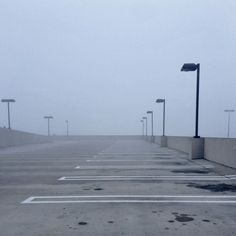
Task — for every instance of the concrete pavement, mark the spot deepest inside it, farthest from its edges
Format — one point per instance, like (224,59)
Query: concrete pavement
(113,187)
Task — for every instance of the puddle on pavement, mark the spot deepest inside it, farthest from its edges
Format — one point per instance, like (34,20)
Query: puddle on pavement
(215,187)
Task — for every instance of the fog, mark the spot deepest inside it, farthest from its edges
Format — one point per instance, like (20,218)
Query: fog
(102,64)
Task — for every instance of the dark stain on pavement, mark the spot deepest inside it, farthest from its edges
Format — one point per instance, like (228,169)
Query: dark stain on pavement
(171,221)
(215,187)
(206,220)
(82,223)
(182,217)
(191,171)
(98,189)
(110,221)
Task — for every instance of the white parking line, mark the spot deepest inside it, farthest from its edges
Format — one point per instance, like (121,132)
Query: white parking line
(231,176)
(130,199)
(137,160)
(144,167)
(143,178)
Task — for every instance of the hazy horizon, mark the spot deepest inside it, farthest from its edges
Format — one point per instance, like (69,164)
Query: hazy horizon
(102,64)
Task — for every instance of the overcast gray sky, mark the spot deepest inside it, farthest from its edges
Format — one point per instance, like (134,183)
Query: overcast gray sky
(101,64)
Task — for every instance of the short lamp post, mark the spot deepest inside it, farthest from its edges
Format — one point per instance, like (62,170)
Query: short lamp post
(145,118)
(8,101)
(142,127)
(229,111)
(67,128)
(151,112)
(194,67)
(48,118)
(160,100)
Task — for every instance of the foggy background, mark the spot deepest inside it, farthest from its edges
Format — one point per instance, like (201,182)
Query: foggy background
(101,64)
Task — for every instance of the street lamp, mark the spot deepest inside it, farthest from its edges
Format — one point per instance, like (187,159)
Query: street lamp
(229,111)
(192,67)
(48,118)
(151,112)
(142,127)
(8,101)
(145,118)
(160,100)
(67,128)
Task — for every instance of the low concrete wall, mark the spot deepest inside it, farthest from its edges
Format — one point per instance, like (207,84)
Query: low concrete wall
(221,150)
(182,144)
(96,137)
(14,138)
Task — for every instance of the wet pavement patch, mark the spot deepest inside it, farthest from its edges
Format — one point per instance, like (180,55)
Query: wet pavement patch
(191,171)
(182,217)
(110,222)
(82,223)
(98,189)
(206,220)
(215,187)
(171,221)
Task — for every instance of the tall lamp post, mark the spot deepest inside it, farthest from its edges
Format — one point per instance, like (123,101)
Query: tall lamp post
(192,67)
(229,111)
(48,118)
(160,100)
(151,112)
(145,118)
(67,128)
(8,101)
(142,127)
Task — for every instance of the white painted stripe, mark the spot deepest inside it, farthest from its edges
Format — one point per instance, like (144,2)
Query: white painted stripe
(130,199)
(135,178)
(137,160)
(144,167)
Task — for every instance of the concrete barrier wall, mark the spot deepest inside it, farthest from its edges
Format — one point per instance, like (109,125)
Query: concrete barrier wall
(221,150)
(14,138)
(182,144)
(96,137)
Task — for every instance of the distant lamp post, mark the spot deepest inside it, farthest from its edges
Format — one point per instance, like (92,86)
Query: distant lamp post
(142,127)
(48,118)
(151,112)
(229,111)
(192,67)
(145,118)
(8,101)
(67,128)
(160,100)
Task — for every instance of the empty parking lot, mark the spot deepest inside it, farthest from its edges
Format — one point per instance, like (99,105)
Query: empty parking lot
(113,187)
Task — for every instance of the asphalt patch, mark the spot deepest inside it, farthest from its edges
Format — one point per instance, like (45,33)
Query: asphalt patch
(215,187)
(191,171)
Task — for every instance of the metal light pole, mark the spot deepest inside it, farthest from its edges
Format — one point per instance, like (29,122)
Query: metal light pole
(164,113)
(142,127)
(48,118)
(8,101)
(151,112)
(229,111)
(192,67)
(67,128)
(145,118)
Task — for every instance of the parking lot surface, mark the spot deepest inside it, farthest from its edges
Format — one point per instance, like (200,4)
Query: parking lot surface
(113,187)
